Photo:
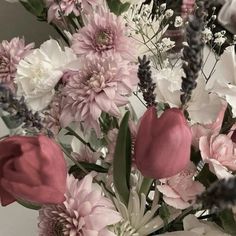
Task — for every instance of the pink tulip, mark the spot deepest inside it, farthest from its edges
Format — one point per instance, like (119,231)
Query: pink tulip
(32,169)
(162,147)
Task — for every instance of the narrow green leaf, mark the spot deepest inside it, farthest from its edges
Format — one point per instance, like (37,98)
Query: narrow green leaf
(146,185)
(228,222)
(89,167)
(206,177)
(36,7)
(164,213)
(122,160)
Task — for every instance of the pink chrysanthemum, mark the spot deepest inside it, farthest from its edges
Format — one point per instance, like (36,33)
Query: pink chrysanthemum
(85,212)
(104,33)
(101,85)
(67,7)
(10,55)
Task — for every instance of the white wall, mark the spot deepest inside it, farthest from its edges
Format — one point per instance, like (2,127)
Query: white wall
(15,220)
(16,21)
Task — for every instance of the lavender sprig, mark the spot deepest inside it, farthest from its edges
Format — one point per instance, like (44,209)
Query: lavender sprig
(146,84)
(193,53)
(220,195)
(18,110)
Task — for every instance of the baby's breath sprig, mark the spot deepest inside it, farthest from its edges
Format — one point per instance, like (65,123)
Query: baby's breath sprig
(193,52)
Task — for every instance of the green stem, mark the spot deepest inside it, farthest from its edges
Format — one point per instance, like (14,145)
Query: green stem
(72,132)
(85,171)
(146,185)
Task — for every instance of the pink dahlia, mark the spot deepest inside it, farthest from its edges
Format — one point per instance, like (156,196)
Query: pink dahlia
(67,7)
(10,55)
(101,85)
(180,191)
(104,33)
(84,212)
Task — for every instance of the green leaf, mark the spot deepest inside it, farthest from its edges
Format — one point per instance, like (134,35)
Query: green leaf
(36,7)
(228,222)
(28,205)
(206,177)
(122,160)
(164,213)
(89,167)
(10,122)
(146,185)
(117,7)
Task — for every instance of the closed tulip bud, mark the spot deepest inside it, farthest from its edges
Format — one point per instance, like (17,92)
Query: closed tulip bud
(32,169)
(163,145)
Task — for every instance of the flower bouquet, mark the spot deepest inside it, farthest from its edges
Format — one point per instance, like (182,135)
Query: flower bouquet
(111,131)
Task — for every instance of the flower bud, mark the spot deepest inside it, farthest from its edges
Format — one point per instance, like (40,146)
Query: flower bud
(163,145)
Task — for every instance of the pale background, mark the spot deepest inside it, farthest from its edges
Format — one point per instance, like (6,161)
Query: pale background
(15,21)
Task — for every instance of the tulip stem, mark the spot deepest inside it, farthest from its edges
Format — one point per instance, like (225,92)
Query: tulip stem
(146,185)
(72,132)
(85,171)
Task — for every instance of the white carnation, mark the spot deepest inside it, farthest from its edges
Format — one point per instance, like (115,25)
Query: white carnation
(203,107)
(39,72)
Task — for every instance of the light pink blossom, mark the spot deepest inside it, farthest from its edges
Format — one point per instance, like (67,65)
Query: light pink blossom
(180,191)
(187,7)
(219,151)
(105,33)
(101,85)
(199,130)
(11,52)
(66,7)
(84,212)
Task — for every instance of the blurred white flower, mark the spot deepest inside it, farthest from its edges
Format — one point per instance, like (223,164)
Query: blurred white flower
(227,15)
(195,227)
(39,72)
(207,34)
(223,80)
(169,13)
(178,21)
(203,107)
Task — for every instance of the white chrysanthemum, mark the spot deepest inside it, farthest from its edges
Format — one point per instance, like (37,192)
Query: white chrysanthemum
(136,220)
(39,72)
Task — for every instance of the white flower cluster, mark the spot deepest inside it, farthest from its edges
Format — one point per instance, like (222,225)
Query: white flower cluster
(147,32)
(220,38)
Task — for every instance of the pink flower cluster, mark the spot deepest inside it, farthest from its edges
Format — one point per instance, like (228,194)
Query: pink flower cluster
(101,85)
(217,150)
(10,55)
(105,33)
(180,191)
(67,7)
(84,212)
